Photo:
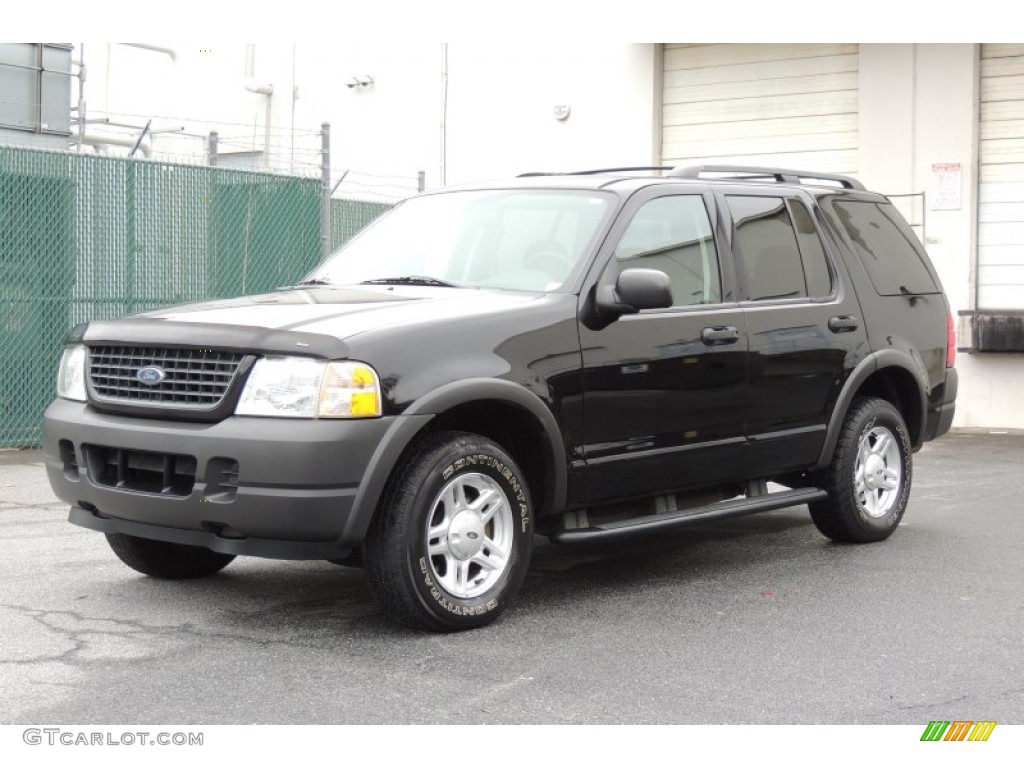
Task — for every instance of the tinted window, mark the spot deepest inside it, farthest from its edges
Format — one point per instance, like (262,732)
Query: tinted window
(887,246)
(673,234)
(767,245)
(816,271)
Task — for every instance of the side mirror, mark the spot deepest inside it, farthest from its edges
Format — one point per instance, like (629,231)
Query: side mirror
(635,289)
(643,289)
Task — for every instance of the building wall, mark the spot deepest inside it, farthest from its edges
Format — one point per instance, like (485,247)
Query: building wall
(495,118)
(919,107)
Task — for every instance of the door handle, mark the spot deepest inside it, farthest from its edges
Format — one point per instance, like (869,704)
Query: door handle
(721,334)
(842,324)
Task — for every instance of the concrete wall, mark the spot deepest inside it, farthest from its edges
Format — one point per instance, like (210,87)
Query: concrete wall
(918,107)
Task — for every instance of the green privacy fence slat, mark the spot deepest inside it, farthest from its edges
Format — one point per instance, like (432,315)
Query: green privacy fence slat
(86,237)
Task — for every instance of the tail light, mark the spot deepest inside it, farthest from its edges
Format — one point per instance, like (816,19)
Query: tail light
(950,341)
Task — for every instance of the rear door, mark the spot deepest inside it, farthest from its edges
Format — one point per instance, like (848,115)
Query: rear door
(803,319)
(665,389)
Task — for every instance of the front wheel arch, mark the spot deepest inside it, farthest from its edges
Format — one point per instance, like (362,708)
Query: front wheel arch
(427,414)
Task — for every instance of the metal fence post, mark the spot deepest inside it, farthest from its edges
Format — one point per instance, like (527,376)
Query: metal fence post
(325,190)
(421,181)
(211,148)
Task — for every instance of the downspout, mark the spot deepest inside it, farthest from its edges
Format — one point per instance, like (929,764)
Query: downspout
(81,94)
(444,114)
(295,97)
(252,85)
(173,53)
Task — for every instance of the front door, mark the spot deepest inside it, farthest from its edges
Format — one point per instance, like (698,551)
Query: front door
(665,390)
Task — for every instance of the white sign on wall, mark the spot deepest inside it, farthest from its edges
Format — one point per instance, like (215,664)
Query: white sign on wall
(947,179)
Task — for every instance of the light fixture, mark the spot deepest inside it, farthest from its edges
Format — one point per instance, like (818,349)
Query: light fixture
(360,82)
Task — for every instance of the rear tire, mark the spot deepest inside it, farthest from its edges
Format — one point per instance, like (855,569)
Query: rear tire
(451,541)
(163,560)
(868,481)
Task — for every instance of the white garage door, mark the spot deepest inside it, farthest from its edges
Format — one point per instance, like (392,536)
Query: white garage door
(789,106)
(1001,179)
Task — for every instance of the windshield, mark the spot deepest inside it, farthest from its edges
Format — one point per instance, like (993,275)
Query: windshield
(519,239)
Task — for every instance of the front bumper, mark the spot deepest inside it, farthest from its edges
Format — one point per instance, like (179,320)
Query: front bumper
(293,491)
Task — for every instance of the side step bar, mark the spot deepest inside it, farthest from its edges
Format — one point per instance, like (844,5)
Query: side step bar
(717,511)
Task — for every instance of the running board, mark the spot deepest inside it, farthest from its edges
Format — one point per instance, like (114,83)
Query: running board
(717,511)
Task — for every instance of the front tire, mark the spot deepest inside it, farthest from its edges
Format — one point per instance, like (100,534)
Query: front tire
(163,560)
(451,542)
(868,481)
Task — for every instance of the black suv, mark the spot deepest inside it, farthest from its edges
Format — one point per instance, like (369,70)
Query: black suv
(586,356)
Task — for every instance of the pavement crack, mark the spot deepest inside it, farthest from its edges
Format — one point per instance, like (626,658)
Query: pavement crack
(129,629)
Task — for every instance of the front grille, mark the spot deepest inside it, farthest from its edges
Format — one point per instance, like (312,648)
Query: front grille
(192,378)
(168,473)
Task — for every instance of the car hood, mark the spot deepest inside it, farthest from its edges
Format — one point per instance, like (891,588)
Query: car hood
(344,312)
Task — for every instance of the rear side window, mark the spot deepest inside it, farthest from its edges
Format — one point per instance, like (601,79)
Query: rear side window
(887,246)
(767,243)
(819,277)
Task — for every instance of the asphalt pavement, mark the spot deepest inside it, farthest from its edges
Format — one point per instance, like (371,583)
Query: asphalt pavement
(757,620)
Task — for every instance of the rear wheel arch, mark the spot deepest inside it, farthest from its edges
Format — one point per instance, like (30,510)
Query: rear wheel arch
(887,374)
(900,387)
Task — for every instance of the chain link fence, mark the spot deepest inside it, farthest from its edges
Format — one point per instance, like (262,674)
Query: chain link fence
(86,237)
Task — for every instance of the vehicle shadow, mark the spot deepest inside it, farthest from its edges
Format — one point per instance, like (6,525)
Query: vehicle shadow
(320,601)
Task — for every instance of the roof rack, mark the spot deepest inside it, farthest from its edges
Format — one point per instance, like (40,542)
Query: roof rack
(627,169)
(753,173)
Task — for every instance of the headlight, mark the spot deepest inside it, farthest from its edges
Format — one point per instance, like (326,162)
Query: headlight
(301,388)
(71,374)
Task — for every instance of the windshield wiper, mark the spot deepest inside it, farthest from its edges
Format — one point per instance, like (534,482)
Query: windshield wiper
(411,280)
(314,281)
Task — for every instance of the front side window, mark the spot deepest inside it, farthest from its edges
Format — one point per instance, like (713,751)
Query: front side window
(515,239)
(673,234)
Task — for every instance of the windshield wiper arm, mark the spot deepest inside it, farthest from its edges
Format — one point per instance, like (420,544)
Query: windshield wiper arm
(410,280)
(314,281)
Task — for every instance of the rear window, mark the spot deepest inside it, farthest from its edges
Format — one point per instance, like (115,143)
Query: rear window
(888,247)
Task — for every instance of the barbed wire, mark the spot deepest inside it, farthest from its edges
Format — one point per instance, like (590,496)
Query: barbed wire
(347,183)
(185,140)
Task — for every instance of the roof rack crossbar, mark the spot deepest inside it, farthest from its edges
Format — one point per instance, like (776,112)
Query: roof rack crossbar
(751,173)
(626,169)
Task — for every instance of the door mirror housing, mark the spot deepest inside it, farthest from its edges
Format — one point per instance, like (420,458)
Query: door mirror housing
(634,289)
(643,289)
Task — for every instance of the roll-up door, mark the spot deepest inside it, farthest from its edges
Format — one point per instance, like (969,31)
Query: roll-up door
(1001,179)
(790,106)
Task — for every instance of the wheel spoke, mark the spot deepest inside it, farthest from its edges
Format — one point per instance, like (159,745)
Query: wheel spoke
(890,479)
(493,559)
(459,496)
(882,443)
(859,486)
(450,505)
(460,574)
(481,500)
(496,506)
(440,548)
(871,502)
(450,502)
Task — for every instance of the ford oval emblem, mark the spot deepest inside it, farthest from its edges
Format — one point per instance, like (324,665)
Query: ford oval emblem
(151,375)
